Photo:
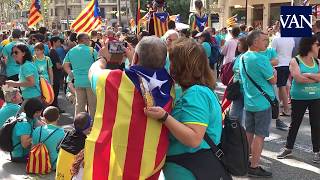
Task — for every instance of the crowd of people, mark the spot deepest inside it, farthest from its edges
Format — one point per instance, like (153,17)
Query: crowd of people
(111,91)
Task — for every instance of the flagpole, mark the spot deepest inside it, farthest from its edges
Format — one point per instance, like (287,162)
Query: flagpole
(66,3)
(119,12)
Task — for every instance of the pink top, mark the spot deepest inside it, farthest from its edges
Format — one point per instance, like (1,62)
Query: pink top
(229,50)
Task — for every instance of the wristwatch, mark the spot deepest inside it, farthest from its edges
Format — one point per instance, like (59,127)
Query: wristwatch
(164,118)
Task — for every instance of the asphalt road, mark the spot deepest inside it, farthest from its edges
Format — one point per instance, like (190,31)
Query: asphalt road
(299,167)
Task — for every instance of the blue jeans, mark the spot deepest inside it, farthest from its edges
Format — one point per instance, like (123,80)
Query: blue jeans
(236,110)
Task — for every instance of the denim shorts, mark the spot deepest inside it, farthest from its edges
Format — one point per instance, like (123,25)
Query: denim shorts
(258,123)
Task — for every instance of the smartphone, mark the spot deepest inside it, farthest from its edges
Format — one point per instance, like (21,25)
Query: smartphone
(117,47)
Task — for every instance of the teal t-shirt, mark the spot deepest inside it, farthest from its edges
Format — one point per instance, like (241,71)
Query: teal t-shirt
(26,70)
(167,65)
(260,70)
(8,110)
(12,66)
(21,128)
(306,91)
(52,143)
(207,48)
(197,105)
(42,66)
(271,53)
(236,71)
(81,58)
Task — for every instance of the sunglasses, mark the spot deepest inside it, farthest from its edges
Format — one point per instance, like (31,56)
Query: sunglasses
(15,52)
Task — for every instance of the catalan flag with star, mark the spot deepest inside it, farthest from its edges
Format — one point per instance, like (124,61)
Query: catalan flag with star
(125,144)
(89,19)
(199,23)
(160,20)
(34,13)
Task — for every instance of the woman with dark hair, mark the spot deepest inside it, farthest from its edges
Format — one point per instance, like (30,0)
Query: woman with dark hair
(205,40)
(195,113)
(305,93)
(21,133)
(28,75)
(236,110)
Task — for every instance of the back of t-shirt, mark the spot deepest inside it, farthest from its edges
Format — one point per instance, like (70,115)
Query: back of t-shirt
(52,143)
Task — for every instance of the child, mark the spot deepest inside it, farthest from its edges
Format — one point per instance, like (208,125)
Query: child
(51,115)
(43,63)
(72,144)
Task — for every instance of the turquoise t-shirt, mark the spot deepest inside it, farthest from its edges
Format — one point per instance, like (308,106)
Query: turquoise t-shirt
(8,110)
(306,91)
(167,65)
(26,70)
(81,58)
(12,66)
(42,66)
(236,71)
(21,128)
(260,70)
(207,48)
(271,53)
(197,105)
(52,143)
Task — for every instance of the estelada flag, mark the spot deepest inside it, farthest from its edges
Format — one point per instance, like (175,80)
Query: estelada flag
(34,13)
(160,20)
(199,23)
(124,143)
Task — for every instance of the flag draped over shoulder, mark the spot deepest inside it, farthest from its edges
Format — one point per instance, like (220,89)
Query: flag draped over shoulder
(34,13)
(89,19)
(199,23)
(160,20)
(124,144)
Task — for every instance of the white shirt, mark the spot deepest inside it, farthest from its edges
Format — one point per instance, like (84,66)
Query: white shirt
(284,47)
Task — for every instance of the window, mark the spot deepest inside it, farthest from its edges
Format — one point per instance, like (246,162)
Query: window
(51,12)
(114,9)
(69,11)
(102,13)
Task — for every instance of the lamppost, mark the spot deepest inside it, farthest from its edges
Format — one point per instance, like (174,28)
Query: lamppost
(119,12)
(246,12)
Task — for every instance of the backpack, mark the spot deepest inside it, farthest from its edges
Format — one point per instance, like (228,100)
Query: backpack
(215,54)
(39,158)
(233,150)
(6,134)
(46,90)
(226,73)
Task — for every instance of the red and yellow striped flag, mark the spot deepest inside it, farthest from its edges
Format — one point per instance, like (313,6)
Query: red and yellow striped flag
(34,14)
(138,17)
(89,19)
(124,144)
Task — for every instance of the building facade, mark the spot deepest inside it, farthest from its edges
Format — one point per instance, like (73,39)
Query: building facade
(60,9)
(259,13)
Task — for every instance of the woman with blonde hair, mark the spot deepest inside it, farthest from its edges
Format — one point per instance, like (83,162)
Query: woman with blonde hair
(197,113)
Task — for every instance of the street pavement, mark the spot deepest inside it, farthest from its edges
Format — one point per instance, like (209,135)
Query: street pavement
(298,167)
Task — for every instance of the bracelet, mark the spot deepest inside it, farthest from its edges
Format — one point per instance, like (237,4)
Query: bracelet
(164,118)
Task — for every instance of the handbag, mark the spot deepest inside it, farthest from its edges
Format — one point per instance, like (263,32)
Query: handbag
(226,73)
(274,103)
(233,90)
